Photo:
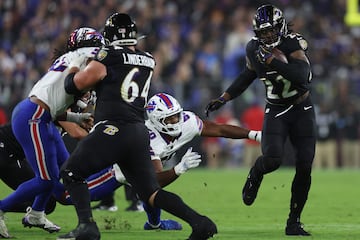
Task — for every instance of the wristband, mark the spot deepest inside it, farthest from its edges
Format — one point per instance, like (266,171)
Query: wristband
(253,134)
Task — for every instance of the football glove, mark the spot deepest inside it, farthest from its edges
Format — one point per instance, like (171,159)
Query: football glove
(214,104)
(263,54)
(189,160)
(77,60)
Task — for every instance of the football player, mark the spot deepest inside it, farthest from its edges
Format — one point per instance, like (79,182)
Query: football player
(121,76)
(34,128)
(289,111)
(170,129)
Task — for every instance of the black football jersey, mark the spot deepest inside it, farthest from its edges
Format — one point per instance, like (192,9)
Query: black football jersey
(279,90)
(123,93)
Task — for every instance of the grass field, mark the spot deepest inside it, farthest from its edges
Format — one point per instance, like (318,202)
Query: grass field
(332,211)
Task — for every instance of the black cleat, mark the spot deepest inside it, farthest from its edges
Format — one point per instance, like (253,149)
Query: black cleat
(83,231)
(203,229)
(135,206)
(251,188)
(296,229)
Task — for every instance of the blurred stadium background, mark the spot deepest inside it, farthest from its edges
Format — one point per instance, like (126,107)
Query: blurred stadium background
(199,47)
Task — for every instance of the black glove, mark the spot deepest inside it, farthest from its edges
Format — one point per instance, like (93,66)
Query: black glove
(214,105)
(263,54)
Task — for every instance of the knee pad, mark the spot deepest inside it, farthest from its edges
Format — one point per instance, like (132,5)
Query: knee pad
(69,177)
(267,164)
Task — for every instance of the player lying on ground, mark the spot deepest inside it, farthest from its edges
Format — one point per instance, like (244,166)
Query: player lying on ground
(170,129)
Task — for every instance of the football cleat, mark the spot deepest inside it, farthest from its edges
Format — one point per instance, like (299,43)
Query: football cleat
(136,206)
(167,224)
(251,188)
(296,229)
(3,229)
(203,229)
(104,207)
(83,231)
(37,219)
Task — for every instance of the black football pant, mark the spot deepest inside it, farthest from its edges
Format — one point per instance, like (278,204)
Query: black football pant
(297,123)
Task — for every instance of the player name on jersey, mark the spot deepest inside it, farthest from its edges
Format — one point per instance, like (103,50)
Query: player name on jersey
(141,60)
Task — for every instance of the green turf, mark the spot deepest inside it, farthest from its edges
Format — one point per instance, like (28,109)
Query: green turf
(332,212)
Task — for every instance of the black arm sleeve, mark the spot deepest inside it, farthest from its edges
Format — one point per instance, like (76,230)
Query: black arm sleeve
(241,83)
(70,87)
(296,71)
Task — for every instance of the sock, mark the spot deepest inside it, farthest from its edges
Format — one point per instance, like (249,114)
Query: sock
(299,193)
(173,204)
(108,200)
(153,214)
(80,197)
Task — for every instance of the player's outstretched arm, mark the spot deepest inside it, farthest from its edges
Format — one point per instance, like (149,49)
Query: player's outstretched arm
(212,129)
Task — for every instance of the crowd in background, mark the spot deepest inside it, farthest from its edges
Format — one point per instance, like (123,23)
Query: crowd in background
(199,47)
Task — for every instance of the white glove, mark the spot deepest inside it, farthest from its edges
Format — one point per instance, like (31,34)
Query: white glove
(189,160)
(255,135)
(119,175)
(78,60)
(77,117)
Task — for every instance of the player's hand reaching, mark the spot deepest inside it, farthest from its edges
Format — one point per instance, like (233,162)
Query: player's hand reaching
(77,60)
(263,54)
(214,104)
(189,160)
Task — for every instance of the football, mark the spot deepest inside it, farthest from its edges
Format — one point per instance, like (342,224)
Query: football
(279,55)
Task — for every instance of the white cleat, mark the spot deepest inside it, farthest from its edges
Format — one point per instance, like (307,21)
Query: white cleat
(38,219)
(3,229)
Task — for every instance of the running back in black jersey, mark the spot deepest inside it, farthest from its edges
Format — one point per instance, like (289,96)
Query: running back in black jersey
(126,85)
(279,90)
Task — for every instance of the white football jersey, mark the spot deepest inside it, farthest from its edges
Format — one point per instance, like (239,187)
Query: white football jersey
(50,88)
(163,149)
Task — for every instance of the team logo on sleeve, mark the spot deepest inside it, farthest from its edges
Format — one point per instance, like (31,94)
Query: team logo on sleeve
(101,54)
(303,44)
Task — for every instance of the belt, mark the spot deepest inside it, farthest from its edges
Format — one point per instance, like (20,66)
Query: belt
(301,98)
(37,101)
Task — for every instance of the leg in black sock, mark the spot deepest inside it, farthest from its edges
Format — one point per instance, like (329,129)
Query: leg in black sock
(202,227)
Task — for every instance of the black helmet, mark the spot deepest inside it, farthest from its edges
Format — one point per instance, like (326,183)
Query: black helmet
(269,25)
(120,30)
(84,37)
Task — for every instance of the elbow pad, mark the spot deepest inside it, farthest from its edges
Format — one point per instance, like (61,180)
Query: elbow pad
(70,87)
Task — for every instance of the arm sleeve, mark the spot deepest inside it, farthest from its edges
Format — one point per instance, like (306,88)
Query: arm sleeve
(241,83)
(296,71)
